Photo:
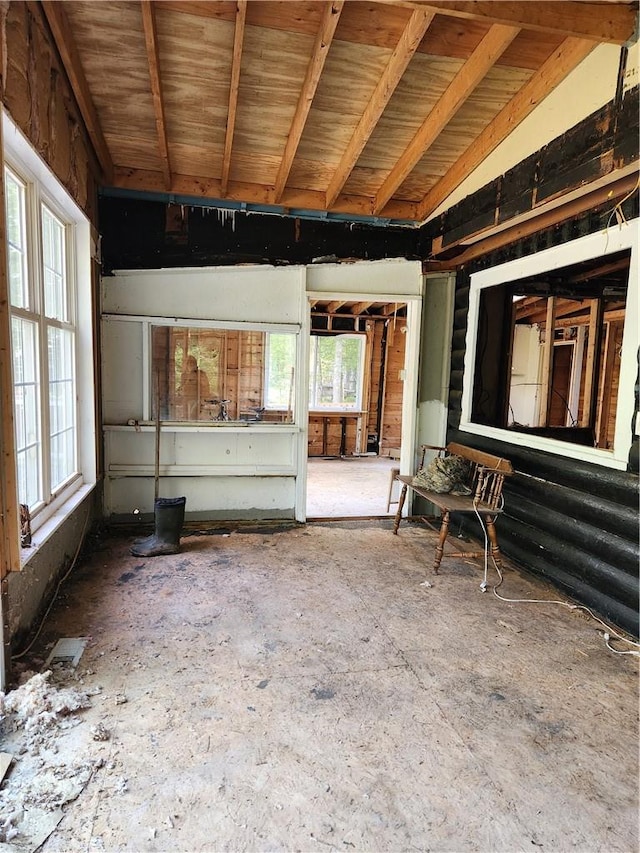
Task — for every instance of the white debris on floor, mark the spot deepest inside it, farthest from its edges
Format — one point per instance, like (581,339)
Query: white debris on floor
(40,781)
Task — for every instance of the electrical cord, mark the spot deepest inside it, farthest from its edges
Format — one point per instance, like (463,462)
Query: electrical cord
(608,633)
(60,582)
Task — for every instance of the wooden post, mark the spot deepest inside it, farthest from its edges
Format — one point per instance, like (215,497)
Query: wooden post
(547,363)
(591,368)
(605,390)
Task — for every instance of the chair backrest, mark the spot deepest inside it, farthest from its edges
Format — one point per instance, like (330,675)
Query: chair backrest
(487,471)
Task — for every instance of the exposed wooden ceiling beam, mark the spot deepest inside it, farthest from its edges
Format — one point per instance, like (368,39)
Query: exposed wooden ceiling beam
(615,316)
(360,307)
(604,269)
(602,22)
(324,37)
(254,193)
(238,40)
(391,308)
(332,307)
(483,58)
(57,19)
(563,60)
(151,41)
(536,310)
(391,76)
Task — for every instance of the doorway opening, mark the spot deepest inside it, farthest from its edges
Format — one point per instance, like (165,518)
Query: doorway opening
(356,386)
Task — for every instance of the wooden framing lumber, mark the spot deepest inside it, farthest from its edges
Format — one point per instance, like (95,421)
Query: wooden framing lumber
(151,42)
(59,24)
(614,23)
(591,366)
(547,364)
(238,40)
(327,29)
(391,76)
(563,60)
(603,408)
(484,57)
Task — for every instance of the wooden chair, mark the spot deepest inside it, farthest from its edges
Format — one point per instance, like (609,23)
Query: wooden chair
(487,473)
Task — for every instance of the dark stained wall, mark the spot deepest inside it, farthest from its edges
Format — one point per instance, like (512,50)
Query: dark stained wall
(573,523)
(140,234)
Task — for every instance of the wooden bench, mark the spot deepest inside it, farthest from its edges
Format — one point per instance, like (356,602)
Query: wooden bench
(486,478)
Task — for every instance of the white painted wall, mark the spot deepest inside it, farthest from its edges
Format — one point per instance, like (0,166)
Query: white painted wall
(525,366)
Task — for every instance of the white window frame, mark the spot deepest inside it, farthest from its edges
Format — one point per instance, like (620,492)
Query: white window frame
(611,240)
(357,405)
(43,188)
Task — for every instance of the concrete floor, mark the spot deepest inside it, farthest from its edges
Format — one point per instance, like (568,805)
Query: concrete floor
(304,689)
(352,487)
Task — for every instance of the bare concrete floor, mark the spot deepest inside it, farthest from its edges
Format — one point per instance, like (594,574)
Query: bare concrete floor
(353,487)
(304,690)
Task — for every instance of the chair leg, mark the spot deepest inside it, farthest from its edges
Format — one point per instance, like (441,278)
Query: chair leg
(396,521)
(444,530)
(493,538)
(393,475)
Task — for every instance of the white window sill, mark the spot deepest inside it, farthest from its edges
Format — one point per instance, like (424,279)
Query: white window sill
(46,530)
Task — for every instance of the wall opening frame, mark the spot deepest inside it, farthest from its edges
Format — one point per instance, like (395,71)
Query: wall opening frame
(620,241)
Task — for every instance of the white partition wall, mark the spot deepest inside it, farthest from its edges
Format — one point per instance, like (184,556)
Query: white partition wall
(225,469)
(234,469)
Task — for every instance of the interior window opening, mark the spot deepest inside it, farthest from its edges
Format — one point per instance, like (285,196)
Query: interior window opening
(548,352)
(336,371)
(222,375)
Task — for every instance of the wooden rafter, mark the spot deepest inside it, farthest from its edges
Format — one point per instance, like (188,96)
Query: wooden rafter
(616,316)
(483,58)
(409,42)
(238,40)
(613,23)
(563,60)
(65,43)
(603,270)
(360,307)
(327,29)
(332,307)
(151,41)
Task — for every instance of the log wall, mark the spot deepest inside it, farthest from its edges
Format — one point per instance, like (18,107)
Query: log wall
(573,523)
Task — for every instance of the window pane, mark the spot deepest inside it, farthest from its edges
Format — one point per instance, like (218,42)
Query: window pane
(53,257)
(27,411)
(336,366)
(61,405)
(16,245)
(221,375)
(280,372)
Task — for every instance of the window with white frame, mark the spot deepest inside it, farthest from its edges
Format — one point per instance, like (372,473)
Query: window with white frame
(336,369)
(551,349)
(48,246)
(43,341)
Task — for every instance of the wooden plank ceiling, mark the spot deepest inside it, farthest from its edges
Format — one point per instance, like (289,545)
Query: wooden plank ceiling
(346,106)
